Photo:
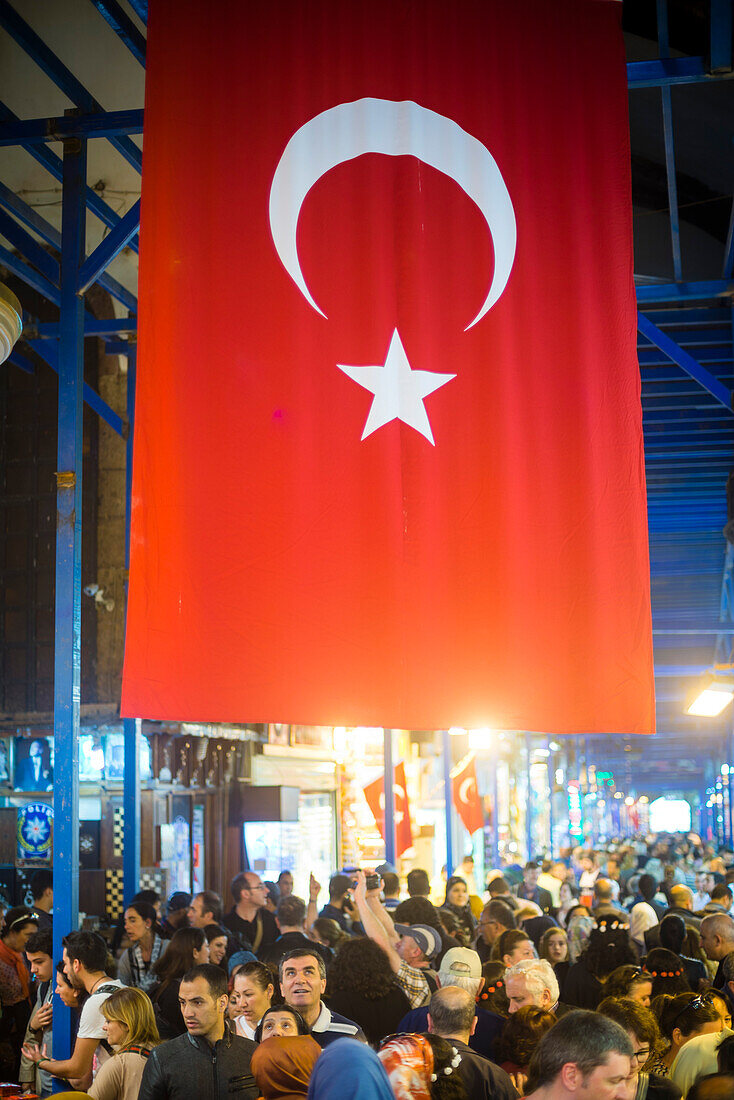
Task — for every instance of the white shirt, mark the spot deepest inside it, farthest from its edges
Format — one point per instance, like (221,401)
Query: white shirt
(91,1019)
(700,901)
(242,1028)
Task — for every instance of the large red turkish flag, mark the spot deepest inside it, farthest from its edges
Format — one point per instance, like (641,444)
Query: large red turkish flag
(388,443)
(374,792)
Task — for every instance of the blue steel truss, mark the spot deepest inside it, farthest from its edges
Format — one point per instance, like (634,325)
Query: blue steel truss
(686,357)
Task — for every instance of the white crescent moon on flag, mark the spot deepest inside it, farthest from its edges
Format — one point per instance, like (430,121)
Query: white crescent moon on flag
(464,789)
(395,128)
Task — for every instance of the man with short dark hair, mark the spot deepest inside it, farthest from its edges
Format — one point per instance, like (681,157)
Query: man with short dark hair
(302,976)
(721,900)
(42,890)
(205,908)
(390,890)
(499,890)
(603,904)
(39,952)
(339,907)
(495,918)
(528,890)
(252,925)
(419,884)
(584,1055)
(209,1062)
(451,1016)
(290,917)
(85,958)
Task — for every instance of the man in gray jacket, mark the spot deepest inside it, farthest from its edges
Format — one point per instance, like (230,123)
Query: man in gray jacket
(210,1061)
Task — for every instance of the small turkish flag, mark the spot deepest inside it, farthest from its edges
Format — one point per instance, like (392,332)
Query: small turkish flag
(375,794)
(466,795)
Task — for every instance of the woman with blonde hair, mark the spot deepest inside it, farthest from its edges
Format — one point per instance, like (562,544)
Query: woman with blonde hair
(132,1033)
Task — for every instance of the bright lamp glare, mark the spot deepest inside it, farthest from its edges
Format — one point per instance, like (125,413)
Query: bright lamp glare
(712,700)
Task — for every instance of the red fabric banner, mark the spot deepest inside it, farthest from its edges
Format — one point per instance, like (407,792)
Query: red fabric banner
(465,794)
(388,462)
(375,794)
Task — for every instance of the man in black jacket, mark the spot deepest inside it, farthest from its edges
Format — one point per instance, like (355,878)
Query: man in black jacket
(451,1016)
(210,1061)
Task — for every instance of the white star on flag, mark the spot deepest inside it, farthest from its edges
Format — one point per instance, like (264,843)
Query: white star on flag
(398,390)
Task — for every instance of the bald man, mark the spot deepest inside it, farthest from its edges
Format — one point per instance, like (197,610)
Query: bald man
(681,905)
(451,1016)
(717,940)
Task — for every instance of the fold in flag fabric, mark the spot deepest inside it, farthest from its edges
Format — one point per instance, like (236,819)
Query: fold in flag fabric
(375,794)
(465,794)
(388,461)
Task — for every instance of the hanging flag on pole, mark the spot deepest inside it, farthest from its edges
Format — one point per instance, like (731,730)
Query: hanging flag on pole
(465,794)
(375,794)
(388,461)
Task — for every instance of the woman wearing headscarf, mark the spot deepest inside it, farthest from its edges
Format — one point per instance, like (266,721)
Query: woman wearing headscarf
(642,918)
(349,1071)
(422,1067)
(457,903)
(282,1066)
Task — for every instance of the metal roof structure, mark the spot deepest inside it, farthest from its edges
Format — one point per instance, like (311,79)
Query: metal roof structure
(75,70)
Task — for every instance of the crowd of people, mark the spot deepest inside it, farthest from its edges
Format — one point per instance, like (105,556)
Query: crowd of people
(600,976)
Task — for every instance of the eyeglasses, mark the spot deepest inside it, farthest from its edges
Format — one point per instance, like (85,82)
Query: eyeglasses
(641,1055)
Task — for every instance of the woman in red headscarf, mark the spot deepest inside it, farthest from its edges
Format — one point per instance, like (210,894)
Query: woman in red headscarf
(422,1067)
(282,1066)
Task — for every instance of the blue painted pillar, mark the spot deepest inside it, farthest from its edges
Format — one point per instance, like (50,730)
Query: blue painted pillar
(447,802)
(131,726)
(68,610)
(529,805)
(390,845)
(550,765)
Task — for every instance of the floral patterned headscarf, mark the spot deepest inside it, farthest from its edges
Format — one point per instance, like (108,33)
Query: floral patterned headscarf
(408,1060)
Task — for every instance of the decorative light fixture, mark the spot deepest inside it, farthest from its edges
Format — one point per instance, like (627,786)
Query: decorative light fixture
(11,321)
(713,696)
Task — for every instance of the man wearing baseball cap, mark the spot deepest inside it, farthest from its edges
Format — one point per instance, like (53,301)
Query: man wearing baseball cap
(409,948)
(462,967)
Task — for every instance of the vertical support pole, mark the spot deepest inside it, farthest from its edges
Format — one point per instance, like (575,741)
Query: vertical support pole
(729,780)
(496,813)
(529,804)
(667,102)
(390,845)
(131,726)
(68,604)
(447,802)
(551,784)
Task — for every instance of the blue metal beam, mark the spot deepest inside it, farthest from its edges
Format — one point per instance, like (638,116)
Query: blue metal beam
(669,70)
(35,253)
(33,131)
(131,726)
(19,360)
(123,27)
(49,353)
(662,19)
(728,266)
(389,785)
(110,247)
(140,7)
(93,326)
(32,278)
(62,77)
(681,292)
(52,164)
(68,614)
(685,361)
(34,221)
(721,28)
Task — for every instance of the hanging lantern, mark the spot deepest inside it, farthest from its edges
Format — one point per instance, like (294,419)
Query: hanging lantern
(11,321)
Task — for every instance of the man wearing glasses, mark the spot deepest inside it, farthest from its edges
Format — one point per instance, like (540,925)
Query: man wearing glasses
(252,926)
